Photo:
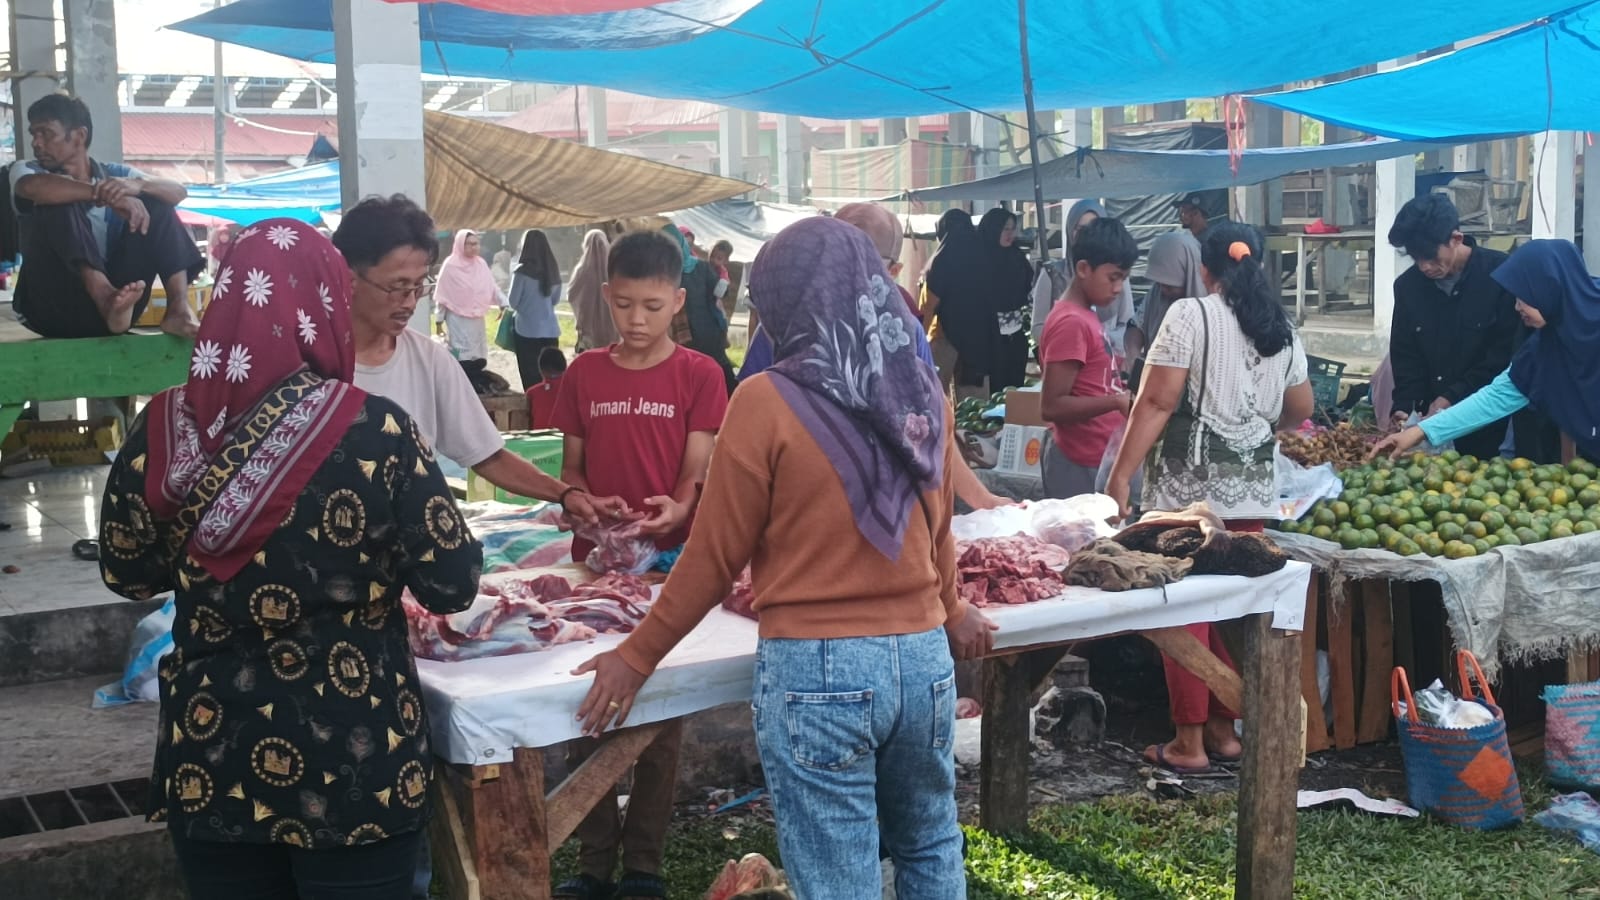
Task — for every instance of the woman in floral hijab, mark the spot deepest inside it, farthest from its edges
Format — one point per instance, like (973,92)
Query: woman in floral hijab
(286,510)
(831,482)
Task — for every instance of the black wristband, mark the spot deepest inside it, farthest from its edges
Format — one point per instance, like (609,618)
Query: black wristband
(562,500)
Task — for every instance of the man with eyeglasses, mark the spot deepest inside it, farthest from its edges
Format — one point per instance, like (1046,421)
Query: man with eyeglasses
(389,244)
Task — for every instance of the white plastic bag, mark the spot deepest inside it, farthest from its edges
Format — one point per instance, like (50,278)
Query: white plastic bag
(1299,488)
(1074,523)
(152,639)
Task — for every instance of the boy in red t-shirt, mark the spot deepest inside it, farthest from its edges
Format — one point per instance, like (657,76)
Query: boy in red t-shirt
(640,418)
(1084,401)
(542,396)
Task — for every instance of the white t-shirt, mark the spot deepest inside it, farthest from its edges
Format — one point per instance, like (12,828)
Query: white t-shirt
(432,388)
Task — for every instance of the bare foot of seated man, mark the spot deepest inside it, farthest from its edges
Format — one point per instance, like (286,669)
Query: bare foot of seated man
(179,318)
(114,303)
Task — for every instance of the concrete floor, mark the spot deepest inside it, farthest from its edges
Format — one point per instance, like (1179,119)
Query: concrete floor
(47,513)
(53,739)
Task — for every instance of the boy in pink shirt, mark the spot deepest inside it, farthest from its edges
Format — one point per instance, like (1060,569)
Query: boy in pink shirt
(1083,399)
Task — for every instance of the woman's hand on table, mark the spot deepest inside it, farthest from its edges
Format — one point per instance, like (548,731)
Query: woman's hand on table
(990,500)
(610,698)
(972,637)
(1398,443)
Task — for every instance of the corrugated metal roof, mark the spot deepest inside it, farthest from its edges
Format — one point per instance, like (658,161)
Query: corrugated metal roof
(184,136)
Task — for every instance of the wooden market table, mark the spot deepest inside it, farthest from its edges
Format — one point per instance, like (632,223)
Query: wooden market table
(33,368)
(497,822)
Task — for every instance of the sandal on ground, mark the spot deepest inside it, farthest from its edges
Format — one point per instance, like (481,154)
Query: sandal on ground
(584,887)
(88,551)
(1226,762)
(640,886)
(1160,761)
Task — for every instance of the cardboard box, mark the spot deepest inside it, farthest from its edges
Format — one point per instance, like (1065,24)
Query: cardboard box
(1021,449)
(1024,406)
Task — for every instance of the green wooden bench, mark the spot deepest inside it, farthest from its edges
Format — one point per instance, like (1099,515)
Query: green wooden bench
(33,368)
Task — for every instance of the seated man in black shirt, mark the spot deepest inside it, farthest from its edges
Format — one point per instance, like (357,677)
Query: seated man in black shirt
(1454,327)
(94,235)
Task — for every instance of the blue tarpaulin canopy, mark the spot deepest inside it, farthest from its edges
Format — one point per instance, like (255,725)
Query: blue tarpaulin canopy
(903,57)
(1542,77)
(303,194)
(1123,174)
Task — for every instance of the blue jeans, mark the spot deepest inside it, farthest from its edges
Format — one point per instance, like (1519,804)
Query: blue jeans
(856,738)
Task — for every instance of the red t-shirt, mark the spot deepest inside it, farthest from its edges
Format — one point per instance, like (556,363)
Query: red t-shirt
(635,423)
(1074,334)
(542,403)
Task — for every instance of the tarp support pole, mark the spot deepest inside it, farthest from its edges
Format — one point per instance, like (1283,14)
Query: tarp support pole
(33,58)
(1591,210)
(378,55)
(730,138)
(92,70)
(1552,211)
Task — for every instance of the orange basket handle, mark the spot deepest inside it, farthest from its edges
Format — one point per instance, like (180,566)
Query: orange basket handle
(1400,688)
(1463,657)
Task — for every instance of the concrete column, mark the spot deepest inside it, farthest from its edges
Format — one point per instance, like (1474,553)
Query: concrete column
(959,130)
(1553,209)
(852,134)
(33,57)
(791,174)
(1262,204)
(1464,158)
(1077,128)
(891,132)
(1591,208)
(913,128)
(750,138)
(92,71)
(986,137)
(378,48)
(599,133)
(1396,185)
(730,137)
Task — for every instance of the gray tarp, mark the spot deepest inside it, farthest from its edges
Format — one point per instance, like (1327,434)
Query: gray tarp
(1512,603)
(1122,174)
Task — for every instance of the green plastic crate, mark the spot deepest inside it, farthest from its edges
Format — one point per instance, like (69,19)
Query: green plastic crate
(1325,375)
(542,448)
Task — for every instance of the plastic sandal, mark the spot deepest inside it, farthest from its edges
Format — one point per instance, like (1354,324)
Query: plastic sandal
(88,551)
(584,887)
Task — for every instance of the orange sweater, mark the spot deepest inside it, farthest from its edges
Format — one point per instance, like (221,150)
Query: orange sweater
(773,501)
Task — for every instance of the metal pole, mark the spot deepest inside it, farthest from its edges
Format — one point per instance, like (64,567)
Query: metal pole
(1039,244)
(221,94)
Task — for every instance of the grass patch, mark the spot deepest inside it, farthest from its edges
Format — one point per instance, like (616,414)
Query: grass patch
(1134,848)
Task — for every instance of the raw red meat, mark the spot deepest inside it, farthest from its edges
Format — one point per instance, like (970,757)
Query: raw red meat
(742,601)
(528,615)
(1010,570)
(618,547)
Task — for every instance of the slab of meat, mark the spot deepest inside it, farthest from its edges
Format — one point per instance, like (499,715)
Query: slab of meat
(618,547)
(631,588)
(742,601)
(1010,570)
(496,626)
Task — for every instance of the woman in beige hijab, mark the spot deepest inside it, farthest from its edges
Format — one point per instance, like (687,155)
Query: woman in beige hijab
(595,328)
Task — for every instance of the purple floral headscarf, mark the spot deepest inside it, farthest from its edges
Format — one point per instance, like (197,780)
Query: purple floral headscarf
(844,362)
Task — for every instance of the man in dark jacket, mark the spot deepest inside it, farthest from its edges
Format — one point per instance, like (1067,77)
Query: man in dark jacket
(1454,327)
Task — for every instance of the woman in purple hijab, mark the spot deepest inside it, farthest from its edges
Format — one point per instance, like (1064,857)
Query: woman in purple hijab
(831,481)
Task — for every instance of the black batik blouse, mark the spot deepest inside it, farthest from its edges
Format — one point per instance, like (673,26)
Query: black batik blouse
(290,708)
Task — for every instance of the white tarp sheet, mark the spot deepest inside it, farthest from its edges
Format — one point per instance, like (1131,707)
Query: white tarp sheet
(1513,602)
(483,708)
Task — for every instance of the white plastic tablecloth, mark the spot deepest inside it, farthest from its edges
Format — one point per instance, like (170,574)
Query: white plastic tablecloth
(483,708)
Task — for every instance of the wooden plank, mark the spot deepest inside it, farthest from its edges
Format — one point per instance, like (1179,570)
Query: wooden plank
(1187,651)
(1577,666)
(92,367)
(1404,644)
(1372,723)
(1310,690)
(447,839)
(504,822)
(1003,774)
(1269,774)
(576,796)
(1341,670)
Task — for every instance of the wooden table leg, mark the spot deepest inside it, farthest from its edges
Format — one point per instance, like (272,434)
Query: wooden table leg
(1341,667)
(502,810)
(1270,772)
(1009,683)
(1310,687)
(1378,652)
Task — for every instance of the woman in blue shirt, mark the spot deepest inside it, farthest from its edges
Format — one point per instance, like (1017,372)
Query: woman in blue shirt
(535,291)
(1557,370)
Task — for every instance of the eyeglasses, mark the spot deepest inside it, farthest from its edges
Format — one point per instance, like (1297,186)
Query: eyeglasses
(423,291)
